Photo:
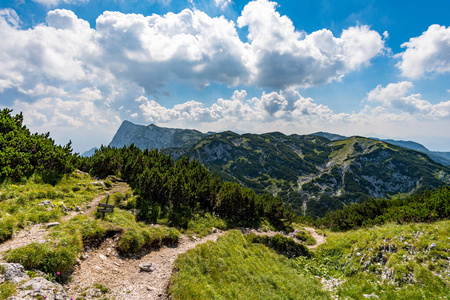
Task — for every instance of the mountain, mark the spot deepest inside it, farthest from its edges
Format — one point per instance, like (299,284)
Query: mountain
(89,153)
(314,174)
(154,137)
(330,136)
(440,157)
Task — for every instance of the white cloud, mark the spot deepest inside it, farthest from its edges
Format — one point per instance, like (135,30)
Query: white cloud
(427,53)
(10,16)
(222,4)
(53,3)
(397,96)
(391,92)
(189,47)
(284,57)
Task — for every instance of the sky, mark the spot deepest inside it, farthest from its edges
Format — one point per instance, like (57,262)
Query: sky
(375,68)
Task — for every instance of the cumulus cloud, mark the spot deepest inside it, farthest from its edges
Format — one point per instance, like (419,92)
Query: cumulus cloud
(188,47)
(428,53)
(397,96)
(284,57)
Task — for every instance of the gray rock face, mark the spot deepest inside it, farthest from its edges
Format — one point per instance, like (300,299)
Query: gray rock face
(13,273)
(154,137)
(40,286)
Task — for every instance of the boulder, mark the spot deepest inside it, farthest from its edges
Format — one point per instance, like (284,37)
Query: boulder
(147,267)
(12,272)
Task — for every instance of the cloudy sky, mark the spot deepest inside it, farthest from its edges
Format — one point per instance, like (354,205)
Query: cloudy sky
(78,68)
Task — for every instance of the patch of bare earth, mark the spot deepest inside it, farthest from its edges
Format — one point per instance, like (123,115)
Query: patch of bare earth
(123,276)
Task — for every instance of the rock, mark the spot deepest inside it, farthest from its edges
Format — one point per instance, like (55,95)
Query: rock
(370,296)
(432,246)
(52,224)
(14,272)
(102,256)
(147,267)
(78,208)
(98,183)
(46,202)
(40,288)
(84,256)
(63,206)
(358,254)
(215,230)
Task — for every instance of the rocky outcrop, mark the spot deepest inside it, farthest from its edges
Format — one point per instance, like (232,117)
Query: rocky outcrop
(12,272)
(154,137)
(40,288)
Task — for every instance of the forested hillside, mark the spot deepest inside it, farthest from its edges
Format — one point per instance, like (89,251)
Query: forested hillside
(314,174)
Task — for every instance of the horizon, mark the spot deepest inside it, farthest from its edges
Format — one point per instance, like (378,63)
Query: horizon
(79,68)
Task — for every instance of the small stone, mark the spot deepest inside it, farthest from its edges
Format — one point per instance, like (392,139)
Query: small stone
(150,288)
(52,224)
(102,256)
(358,253)
(432,246)
(78,208)
(46,202)
(147,267)
(84,256)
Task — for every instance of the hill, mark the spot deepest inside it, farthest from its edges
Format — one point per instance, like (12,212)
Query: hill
(437,156)
(314,174)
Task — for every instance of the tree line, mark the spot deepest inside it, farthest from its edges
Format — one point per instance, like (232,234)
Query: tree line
(180,189)
(424,206)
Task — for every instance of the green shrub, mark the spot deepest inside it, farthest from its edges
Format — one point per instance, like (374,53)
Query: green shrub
(305,237)
(283,245)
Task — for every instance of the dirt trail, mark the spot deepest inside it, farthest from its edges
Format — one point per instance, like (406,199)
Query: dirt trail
(123,277)
(320,239)
(38,233)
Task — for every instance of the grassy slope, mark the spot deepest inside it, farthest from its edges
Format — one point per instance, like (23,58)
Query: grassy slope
(233,268)
(391,261)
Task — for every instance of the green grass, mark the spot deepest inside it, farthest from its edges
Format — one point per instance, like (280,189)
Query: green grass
(234,268)
(19,202)
(7,289)
(201,226)
(137,236)
(391,261)
(303,235)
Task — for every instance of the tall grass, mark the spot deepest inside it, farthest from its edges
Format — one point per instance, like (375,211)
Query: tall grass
(234,268)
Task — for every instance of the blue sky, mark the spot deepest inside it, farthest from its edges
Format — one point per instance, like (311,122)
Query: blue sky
(78,68)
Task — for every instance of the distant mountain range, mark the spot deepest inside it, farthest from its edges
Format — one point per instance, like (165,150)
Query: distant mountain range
(437,156)
(314,173)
